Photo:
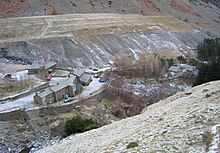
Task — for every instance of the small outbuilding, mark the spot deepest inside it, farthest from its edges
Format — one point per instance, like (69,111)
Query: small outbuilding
(85,79)
(37,69)
(50,66)
(42,69)
(79,73)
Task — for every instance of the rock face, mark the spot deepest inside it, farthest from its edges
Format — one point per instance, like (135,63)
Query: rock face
(182,123)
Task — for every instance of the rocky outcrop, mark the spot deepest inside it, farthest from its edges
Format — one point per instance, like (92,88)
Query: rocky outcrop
(185,122)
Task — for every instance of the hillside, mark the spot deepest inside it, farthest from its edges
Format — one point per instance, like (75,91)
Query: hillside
(182,8)
(202,13)
(186,122)
(99,30)
(18,29)
(95,39)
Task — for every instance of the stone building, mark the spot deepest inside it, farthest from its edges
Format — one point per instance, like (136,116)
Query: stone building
(182,70)
(42,69)
(44,97)
(57,92)
(85,79)
(78,73)
(50,66)
(63,90)
(38,70)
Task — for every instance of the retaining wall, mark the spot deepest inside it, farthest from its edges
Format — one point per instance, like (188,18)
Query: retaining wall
(16,114)
(46,110)
(35,89)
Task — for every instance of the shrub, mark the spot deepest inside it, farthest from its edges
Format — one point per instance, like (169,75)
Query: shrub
(181,59)
(209,49)
(147,66)
(79,125)
(208,72)
(91,126)
(207,139)
(132,145)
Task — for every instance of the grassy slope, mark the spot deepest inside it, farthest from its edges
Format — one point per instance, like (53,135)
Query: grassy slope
(83,24)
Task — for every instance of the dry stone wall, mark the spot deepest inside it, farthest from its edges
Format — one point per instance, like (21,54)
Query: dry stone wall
(22,114)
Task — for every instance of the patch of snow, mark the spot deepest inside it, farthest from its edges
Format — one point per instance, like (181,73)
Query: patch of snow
(196,31)
(188,47)
(136,93)
(111,62)
(20,75)
(137,42)
(33,53)
(104,69)
(214,144)
(99,49)
(78,62)
(172,84)
(134,53)
(155,27)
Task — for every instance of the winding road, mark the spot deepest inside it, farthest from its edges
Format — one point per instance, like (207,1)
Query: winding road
(27,102)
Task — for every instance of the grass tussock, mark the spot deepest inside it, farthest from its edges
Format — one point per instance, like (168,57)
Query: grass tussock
(132,145)
(207,139)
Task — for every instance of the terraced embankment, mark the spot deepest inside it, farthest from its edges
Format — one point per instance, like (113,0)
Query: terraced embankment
(18,29)
(94,39)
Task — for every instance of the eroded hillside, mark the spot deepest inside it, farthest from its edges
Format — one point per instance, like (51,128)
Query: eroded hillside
(186,122)
(95,39)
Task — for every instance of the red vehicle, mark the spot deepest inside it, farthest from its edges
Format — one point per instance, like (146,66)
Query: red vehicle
(49,77)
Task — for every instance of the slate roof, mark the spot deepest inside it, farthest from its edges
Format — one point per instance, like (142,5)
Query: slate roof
(71,79)
(45,93)
(188,67)
(35,66)
(172,73)
(59,86)
(86,78)
(39,65)
(49,64)
(184,68)
(174,68)
(78,73)
(196,72)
